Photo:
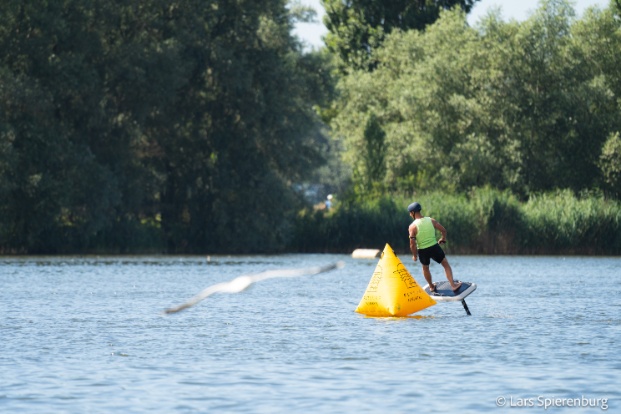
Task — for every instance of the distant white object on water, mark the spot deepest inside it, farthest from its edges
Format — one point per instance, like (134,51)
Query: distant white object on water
(241,283)
(366,253)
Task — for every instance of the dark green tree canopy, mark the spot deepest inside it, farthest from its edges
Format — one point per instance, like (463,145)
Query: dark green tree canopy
(180,116)
(357,27)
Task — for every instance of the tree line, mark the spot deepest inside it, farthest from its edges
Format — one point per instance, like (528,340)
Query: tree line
(529,106)
(190,126)
(172,126)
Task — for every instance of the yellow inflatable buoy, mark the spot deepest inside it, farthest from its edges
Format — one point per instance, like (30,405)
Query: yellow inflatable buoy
(392,290)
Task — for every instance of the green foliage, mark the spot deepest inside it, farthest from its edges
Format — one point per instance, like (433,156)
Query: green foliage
(177,126)
(484,221)
(373,163)
(356,28)
(351,225)
(301,13)
(520,106)
(184,127)
(561,221)
(610,164)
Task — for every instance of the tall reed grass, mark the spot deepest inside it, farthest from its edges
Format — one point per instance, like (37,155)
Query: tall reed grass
(484,221)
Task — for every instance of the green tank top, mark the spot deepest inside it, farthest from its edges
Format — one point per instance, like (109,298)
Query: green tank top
(426,234)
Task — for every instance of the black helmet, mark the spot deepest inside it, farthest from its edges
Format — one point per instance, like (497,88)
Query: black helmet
(414,207)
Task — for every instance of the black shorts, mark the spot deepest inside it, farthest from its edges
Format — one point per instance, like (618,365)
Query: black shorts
(434,252)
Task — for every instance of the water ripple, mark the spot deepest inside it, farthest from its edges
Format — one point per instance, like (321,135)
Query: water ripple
(85,334)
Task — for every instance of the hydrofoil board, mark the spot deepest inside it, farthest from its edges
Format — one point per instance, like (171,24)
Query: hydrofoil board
(444,293)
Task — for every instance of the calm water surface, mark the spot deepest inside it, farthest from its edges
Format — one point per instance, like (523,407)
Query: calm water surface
(87,334)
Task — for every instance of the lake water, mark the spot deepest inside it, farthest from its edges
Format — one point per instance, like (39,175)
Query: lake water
(87,335)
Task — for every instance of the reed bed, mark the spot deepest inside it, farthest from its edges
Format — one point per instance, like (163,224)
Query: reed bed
(484,221)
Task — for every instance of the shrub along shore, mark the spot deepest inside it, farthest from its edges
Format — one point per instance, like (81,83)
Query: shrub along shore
(484,221)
